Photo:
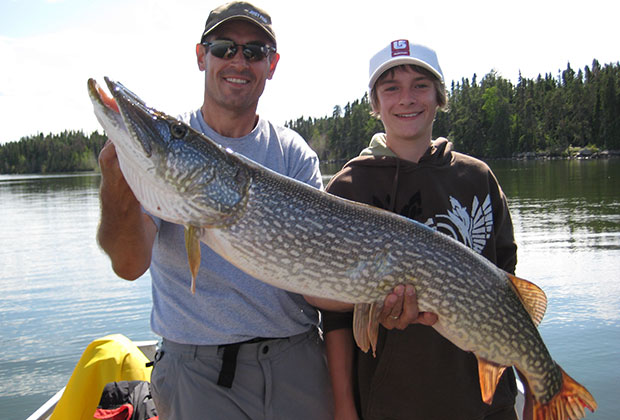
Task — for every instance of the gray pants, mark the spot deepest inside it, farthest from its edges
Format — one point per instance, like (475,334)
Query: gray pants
(274,379)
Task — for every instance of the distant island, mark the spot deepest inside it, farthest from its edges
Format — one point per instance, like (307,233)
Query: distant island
(572,114)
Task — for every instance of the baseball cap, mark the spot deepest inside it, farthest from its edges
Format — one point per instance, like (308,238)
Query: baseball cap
(238,10)
(400,52)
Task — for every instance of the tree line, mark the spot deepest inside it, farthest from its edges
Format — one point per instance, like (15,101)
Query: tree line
(69,151)
(493,118)
(490,118)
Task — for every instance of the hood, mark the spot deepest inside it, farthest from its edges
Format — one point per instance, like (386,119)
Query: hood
(378,154)
(439,153)
(378,147)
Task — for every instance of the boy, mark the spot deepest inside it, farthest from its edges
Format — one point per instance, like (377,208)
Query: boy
(417,373)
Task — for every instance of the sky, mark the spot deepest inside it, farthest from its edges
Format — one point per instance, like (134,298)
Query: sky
(49,49)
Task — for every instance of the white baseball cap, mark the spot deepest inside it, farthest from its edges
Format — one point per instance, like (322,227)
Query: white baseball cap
(402,52)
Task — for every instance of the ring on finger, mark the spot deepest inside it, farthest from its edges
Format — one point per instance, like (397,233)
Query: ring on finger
(394,317)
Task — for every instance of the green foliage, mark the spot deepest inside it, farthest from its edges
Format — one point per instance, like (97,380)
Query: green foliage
(561,115)
(495,119)
(70,151)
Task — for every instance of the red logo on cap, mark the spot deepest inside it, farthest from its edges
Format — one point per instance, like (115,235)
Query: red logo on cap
(400,47)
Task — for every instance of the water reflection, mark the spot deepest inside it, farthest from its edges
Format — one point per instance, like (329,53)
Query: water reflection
(567,225)
(58,292)
(592,180)
(29,183)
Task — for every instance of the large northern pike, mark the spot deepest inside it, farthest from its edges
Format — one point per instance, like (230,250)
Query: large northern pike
(295,237)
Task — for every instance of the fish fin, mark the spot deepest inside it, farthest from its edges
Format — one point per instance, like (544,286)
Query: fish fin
(568,403)
(192,245)
(366,326)
(489,374)
(361,316)
(533,297)
(373,326)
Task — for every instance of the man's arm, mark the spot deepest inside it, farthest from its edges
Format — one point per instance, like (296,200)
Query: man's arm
(125,233)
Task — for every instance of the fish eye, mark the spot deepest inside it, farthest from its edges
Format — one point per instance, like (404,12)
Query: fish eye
(178,130)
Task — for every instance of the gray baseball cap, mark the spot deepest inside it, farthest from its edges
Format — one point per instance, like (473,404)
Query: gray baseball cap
(239,10)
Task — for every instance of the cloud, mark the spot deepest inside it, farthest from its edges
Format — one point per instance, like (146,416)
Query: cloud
(149,46)
(43,77)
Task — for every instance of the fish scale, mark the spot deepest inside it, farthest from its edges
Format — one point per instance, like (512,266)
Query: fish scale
(297,238)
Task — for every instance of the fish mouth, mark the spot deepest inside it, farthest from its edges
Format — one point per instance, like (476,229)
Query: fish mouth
(101,97)
(123,97)
(126,110)
(105,104)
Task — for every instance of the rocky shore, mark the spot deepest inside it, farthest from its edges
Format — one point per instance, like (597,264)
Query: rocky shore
(571,153)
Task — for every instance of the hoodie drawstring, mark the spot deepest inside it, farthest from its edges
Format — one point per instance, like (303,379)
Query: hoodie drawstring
(395,186)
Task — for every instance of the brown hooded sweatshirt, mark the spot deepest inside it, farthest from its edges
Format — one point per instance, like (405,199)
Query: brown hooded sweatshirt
(417,373)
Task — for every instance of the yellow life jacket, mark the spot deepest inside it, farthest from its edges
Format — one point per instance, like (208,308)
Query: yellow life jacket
(108,359)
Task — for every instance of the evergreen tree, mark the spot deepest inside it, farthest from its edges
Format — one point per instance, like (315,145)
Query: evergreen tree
(491,118)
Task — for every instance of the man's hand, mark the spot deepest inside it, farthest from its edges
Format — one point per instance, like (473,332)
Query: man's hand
(400,308)
(125,233)
(114,187)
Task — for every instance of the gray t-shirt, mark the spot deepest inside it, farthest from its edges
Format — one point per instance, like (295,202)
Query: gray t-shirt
(229,306)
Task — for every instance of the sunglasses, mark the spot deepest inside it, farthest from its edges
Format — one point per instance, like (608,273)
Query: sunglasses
(228,49)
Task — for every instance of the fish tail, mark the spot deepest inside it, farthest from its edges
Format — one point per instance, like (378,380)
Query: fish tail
(568,404)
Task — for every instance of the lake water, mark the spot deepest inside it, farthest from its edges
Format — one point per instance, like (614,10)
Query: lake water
(58,292)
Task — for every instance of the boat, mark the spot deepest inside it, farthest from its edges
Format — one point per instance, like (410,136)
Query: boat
(45,411)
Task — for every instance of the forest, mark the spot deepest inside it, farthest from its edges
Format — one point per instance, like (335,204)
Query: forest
(492,118)
(69,151)
(487,118)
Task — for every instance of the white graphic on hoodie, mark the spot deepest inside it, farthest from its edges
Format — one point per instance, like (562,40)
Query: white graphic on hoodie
(473,229)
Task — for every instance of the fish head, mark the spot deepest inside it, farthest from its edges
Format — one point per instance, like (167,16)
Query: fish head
(176,172)
(131,124)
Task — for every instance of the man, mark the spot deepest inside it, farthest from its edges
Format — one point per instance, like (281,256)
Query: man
(417,373)
(238,348)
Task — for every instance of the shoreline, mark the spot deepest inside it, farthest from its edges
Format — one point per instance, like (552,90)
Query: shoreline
(582,154)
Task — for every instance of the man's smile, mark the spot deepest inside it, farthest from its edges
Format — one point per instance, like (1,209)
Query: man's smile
(236,80)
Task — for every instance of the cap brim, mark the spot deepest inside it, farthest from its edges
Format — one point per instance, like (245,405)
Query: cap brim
(397,61)
(242,17)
